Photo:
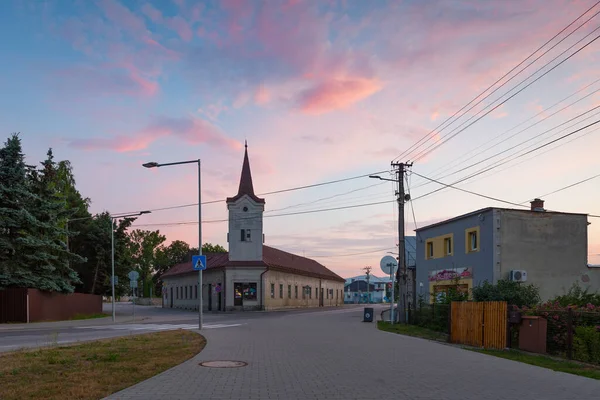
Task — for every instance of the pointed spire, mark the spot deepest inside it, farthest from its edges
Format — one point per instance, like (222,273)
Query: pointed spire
(246,187)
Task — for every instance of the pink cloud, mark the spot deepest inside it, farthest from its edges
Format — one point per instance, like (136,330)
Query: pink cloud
(262,95)
(190,130)
(336,94)
(152,13)
(180,25)
(122,16)
(89,81)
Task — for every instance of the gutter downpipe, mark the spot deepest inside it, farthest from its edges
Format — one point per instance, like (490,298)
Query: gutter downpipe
(262,287)
(224,295)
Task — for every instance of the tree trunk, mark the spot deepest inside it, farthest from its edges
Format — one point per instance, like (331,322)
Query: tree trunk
(92,291)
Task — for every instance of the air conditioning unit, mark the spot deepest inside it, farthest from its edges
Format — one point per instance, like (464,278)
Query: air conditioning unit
(518,275)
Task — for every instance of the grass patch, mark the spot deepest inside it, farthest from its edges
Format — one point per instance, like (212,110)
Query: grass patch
(412,330)
(78,317)
(94,370)
(570,367)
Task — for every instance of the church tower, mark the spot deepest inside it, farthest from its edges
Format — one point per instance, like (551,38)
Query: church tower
(245,237)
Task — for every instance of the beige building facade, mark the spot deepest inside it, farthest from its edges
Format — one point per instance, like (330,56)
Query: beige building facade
(251,275)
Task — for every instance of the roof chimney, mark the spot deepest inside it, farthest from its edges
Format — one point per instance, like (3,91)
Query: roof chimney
(537,205)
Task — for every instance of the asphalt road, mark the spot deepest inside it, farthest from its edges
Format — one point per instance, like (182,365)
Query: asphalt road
(147,319)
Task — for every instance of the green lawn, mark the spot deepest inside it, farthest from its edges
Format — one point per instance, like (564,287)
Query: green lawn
(412,330)
(569,367)
(93,370)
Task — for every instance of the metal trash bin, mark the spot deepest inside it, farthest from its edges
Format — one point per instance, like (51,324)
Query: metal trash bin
(368,314)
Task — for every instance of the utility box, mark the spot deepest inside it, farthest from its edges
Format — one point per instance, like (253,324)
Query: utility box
(368,314)
(532,334)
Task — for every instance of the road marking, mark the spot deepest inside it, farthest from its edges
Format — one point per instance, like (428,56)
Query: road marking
(156,327)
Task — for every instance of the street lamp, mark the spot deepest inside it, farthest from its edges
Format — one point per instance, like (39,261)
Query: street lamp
(154,164)
(112,246)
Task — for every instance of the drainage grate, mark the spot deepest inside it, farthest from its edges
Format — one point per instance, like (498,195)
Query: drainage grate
(223,364)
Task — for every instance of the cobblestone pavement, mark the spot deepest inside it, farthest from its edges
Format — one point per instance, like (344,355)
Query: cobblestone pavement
(334,355)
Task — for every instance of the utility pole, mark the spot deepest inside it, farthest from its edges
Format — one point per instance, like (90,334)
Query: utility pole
(368,273)
(402,198)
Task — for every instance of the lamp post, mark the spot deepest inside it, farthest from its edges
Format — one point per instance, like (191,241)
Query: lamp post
(112,246)
(157,165)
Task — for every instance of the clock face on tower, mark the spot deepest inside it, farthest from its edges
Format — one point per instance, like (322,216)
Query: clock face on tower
(245,208)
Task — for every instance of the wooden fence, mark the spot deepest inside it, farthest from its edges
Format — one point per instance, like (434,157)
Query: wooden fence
(480,324)
(32,305)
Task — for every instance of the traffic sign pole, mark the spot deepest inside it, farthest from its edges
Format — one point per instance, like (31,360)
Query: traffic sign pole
(389,266)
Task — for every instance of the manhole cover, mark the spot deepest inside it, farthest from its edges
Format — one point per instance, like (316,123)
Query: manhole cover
(223,364)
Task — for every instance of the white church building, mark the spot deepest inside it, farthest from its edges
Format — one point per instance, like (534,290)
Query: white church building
(252,276)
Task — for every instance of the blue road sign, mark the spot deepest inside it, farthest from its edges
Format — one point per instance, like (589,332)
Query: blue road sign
(199,263)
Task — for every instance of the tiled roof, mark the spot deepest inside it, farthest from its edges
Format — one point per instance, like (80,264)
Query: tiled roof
(246,186)
(272,258)
(280,259)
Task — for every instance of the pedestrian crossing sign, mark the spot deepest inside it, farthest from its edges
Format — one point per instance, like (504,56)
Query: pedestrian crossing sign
(199,263)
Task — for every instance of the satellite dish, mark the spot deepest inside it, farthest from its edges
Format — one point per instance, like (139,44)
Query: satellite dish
(388,265)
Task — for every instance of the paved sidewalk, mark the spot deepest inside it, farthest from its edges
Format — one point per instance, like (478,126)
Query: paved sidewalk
(333,355)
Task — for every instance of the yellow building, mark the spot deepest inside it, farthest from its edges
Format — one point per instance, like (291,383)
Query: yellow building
(252,276)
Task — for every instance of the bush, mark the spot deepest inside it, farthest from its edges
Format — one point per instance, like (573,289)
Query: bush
(514,293)
(576,296)
(586,344)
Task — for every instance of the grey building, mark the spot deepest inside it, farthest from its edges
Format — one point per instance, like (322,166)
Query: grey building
(548,249)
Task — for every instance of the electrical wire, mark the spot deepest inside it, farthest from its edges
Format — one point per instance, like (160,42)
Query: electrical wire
(519,156)
(272,216)
(566,187)
(353,254)
(453,162)
(450,136)
(470,192)
(432,132)
(525,141)
(270,193)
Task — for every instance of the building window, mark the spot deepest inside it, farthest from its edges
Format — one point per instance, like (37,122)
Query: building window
(296,291)
(472,240)
(185,293)
(196,291)
(317,294)
(289,291)
(243,235)
(249,290)
(272,290)
(448,246)
(429,250)
(310,292)
(280,291)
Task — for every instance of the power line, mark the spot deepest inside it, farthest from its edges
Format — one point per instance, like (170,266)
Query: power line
(491,86)
(527,140)
(445,167)
(353,254)
(270,193)
(519,156)
(449,137)
(470,192)
(499,163)
(274,215)
(567,187)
